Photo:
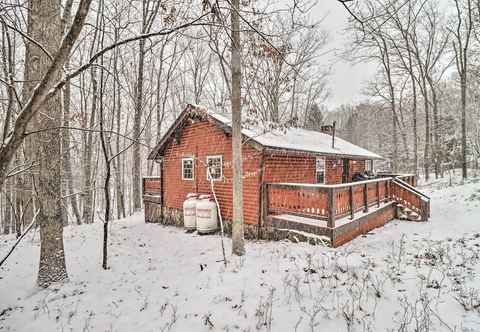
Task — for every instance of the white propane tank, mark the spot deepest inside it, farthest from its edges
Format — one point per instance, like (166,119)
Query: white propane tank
(206,215)
(189,212)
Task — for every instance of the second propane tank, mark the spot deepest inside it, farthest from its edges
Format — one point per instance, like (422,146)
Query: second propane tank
(189,212)
(206,213)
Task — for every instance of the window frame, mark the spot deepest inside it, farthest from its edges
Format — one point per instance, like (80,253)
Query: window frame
(324,169)
(193,168)
(208,158)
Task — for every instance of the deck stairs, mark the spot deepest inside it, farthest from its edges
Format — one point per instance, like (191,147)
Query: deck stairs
(411,204)
(404,213)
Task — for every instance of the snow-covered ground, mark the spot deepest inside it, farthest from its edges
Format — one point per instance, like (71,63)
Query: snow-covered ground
(402,277)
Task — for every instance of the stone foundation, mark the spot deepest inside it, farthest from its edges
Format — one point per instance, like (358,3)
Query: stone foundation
(174,217)
(338,236)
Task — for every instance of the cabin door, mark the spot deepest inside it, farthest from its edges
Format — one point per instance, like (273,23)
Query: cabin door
(346,170)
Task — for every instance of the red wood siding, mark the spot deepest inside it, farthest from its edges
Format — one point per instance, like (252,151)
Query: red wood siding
(356,166)
(151,185)
(289,168)
(199,140)
(301,169)
(202,139)
(334,169)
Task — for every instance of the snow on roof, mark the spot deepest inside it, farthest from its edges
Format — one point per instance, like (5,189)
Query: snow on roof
(297,139)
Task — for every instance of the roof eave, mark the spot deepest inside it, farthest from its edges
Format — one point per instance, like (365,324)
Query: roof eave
(316,153)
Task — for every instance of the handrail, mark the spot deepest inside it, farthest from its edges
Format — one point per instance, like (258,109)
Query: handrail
(328,186)
(389,174)
(421,203)
(412,188)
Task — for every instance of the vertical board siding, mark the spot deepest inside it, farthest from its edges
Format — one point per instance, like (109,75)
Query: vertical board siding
(199,140)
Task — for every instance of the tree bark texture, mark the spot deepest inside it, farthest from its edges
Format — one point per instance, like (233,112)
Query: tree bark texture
(238,247)
(45,27)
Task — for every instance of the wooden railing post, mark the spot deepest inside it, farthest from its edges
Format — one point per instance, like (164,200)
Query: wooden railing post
(350,199)
(378,194)
(331,208)
(365,197)
(265,202)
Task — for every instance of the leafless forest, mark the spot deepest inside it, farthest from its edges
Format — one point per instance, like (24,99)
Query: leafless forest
(88,87)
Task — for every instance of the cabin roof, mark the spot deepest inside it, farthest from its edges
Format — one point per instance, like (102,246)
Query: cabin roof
(289,139)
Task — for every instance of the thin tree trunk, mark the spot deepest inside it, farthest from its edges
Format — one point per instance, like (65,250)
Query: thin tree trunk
(120,197)
(463,96)
(67,167)
(238,247)
(88,190)
(137,165)
(414,124)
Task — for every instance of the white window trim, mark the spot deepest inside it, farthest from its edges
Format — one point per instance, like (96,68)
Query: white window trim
(324,169)
(193,169)
(221,166)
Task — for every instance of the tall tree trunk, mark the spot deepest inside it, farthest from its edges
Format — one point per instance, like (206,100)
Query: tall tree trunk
(414,124)
(238,247)
(426,155)
(66,162)
(117,164)
(436,135)
(7,217)
(136,171)
(45,27)
(88,191)
(463,97)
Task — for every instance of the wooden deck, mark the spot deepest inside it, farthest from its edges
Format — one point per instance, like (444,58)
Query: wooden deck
(344,211)
(339,212)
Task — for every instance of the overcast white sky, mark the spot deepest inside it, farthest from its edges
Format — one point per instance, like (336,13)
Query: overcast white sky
(346,80)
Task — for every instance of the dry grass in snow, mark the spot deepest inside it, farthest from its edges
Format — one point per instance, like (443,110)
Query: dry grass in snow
(402,277)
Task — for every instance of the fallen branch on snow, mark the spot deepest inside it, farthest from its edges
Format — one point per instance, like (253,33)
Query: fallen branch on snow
(20,238)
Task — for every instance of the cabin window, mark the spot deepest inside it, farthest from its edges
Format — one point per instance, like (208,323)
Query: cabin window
(187,169)
(369,165)
(320,169)
(215,164)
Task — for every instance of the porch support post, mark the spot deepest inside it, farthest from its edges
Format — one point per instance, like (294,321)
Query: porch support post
(378,194)
(264,199)
(350,199)
(365,197)
(389,194)
(331,208)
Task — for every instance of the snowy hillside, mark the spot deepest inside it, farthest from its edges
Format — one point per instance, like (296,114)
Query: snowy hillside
(403,277)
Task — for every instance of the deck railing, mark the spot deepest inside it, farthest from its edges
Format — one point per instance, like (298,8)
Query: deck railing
(416,201)
(152,185)
(325,202)
(411,179)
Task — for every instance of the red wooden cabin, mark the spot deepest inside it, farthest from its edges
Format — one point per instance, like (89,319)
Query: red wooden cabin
(294,180)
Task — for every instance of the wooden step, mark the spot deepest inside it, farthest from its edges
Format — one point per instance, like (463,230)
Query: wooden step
(299,236)
(301,229)
(405,213)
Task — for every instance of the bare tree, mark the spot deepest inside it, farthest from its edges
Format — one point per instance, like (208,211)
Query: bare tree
(238,246)
(149,12)
(44,22)
(462,31)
